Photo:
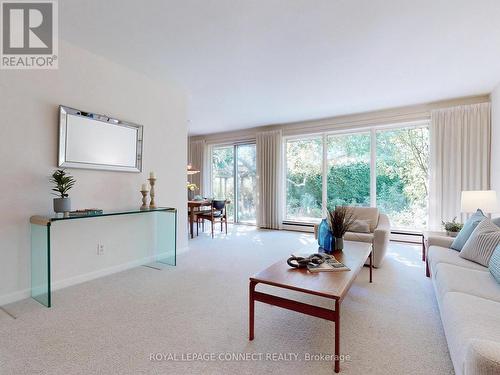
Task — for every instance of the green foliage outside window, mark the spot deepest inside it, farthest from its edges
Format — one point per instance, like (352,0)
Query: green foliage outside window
(401,169)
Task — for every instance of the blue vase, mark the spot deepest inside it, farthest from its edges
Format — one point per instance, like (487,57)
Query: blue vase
(325,237)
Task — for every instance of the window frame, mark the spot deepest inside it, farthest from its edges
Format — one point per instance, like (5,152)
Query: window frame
(372,130)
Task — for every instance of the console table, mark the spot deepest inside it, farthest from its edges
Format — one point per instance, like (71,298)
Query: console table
(164,251)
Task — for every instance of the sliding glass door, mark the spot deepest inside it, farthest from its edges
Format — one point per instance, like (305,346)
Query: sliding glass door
(223,176)
(234,177)
(382,167)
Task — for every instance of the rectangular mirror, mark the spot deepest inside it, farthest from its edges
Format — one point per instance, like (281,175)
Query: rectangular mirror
(93,141)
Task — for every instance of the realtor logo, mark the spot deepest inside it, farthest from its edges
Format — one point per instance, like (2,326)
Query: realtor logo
(29,35)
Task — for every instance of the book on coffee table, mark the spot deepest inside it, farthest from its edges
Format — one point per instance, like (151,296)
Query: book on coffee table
(329,265)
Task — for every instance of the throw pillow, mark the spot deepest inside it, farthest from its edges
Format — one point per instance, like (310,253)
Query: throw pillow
(482,243)
(496,221)
(360,226)
(494,265)
(466,231)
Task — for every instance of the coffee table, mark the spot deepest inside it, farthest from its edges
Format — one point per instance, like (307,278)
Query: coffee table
(332,285)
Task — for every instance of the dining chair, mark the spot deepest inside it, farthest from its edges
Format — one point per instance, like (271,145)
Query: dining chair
(216,214)
(198,220)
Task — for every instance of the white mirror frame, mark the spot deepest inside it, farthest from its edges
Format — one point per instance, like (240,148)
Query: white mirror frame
(62,162)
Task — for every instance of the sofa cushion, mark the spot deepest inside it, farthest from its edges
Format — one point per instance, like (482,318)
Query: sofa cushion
(466,318)
(482,357)
(482,242)
(451,278)
(494,265)
(441,241)
(367,213)
(436,255)
(360,237)
(467,230)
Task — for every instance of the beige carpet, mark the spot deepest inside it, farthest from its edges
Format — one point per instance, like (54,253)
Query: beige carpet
(112,325)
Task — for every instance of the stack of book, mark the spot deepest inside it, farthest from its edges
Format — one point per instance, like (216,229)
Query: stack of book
(86,212)
(329,263)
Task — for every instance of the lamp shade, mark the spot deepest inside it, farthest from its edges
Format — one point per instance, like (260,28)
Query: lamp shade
(191,170)
(486,200)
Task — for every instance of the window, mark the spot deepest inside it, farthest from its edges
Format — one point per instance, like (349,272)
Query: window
(234,178)
(348,180)
(223,176)
(246,183)
(383,167)
(304,179)
(402,176)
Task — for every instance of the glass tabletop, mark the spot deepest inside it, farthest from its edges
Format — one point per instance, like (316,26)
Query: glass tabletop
(94,213)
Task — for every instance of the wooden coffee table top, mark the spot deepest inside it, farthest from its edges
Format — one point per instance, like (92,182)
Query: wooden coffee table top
(333,285)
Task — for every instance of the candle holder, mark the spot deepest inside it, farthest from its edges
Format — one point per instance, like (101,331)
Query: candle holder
(152,182)
(144,199)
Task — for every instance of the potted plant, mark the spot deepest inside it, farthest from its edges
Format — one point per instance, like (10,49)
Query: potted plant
(340,220)
(191,189)
(63,182)
(452,227)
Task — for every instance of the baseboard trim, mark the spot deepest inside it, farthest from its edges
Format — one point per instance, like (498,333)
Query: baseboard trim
(102,272)
(60,284)
(183,250)
(14,297)
(298,228)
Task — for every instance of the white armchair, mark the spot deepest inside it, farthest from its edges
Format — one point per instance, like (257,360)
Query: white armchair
(381,237)
(378,233)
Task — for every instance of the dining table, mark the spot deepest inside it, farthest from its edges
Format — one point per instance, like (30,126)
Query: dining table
(196,205)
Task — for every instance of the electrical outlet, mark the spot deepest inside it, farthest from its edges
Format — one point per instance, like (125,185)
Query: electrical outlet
(100,249)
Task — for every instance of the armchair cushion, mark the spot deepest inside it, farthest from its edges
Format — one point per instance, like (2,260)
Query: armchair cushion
(360,226)
(370,214)
(359,237)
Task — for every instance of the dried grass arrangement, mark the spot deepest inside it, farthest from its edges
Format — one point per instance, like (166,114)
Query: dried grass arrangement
(341,220)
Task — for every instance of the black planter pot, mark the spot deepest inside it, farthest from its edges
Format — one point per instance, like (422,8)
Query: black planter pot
(339,243)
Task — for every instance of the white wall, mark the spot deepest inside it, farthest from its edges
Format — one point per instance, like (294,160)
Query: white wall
(495,139)
(29,121)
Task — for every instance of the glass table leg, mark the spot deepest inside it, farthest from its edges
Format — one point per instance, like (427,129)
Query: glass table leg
(166,237)
(40,263)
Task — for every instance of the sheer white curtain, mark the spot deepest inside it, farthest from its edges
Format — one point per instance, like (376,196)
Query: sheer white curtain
(460,158)
(269,179)
(197,151)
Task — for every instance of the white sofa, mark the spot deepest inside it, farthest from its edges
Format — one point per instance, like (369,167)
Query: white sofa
(469,302)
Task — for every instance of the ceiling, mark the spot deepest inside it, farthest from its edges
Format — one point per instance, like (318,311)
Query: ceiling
(259,62)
